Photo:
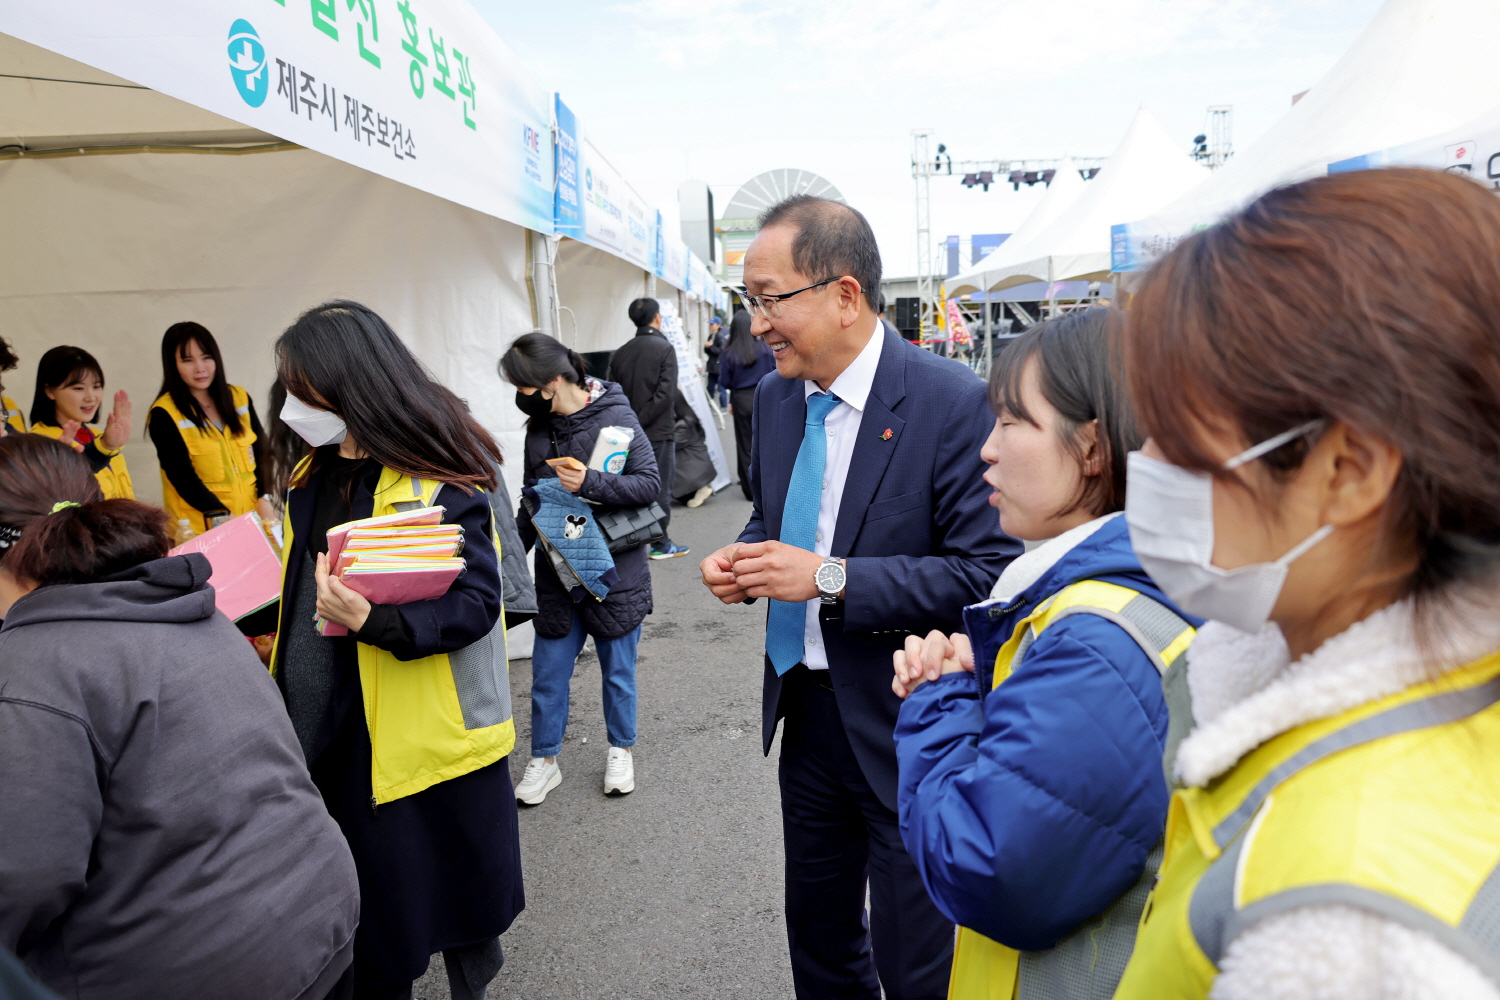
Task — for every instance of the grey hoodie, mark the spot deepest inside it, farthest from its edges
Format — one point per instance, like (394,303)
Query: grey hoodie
(159,835)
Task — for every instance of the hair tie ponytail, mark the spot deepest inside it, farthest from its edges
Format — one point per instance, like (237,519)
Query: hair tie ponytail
(64,505)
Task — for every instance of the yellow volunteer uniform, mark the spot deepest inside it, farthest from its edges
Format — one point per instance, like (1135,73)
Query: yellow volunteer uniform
(985,969)
(224,462)
(114,478)
(14,418)
(1392,807)
(438,717)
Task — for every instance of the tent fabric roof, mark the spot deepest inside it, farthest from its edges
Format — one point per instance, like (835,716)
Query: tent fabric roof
(1067,187)
(1421,67)
(1147,170)
(61,102)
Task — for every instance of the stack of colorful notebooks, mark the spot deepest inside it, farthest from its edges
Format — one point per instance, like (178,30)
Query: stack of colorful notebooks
(395,559)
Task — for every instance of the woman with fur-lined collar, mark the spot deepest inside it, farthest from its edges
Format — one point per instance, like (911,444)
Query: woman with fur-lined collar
(1319,377)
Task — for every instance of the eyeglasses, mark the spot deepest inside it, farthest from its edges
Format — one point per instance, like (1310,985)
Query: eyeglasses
(770,305)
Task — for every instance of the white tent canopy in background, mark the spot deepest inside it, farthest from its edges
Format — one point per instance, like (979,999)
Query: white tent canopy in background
(1147,170)
(1421,67)
(1066,187)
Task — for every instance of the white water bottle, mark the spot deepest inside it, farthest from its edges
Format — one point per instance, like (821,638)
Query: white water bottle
(611,449)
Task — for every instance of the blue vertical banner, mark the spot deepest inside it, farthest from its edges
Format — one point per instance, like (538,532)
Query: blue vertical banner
(659,252)
(567,211)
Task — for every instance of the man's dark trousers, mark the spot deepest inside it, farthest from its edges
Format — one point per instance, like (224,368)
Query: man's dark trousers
(666,466)
(838,834)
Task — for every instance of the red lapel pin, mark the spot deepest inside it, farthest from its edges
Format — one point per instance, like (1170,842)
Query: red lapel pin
(887,435)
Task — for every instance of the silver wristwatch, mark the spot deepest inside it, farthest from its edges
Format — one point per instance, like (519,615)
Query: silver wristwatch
(830,579)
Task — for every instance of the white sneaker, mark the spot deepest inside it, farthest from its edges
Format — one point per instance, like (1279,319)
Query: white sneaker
(704,492)
(619,772)
(539,779)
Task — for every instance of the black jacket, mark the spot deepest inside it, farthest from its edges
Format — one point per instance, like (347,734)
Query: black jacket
(553,436)
(646,369)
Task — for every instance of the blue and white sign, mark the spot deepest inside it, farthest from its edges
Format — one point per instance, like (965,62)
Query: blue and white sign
(420,91)
(567,213)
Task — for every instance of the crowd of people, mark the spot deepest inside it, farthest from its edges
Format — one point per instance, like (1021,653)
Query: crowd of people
(1165,664)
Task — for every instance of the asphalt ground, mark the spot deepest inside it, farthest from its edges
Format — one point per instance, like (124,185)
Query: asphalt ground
(674,890)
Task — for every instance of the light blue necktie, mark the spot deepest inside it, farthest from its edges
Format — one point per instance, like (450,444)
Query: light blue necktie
(786,623)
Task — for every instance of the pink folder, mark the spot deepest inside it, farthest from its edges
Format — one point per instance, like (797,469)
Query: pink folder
(246,570)
(402,586)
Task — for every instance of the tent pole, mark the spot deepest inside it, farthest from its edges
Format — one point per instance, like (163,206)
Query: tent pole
(1051,292)
(988,357)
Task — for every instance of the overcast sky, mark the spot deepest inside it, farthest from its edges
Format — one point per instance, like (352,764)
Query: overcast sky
(720,90)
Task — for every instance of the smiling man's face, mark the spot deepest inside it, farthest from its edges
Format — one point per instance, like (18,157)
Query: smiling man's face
(811,337)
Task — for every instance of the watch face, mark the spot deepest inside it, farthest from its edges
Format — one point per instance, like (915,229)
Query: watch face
(830,578)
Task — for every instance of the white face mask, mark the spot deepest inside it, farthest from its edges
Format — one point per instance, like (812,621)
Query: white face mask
(1170,511)
(316,427)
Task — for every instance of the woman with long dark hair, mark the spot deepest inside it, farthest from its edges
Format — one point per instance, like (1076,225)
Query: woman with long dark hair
(406,722)
(162,840)
(569,412)
(68,396)
(744,363)
(207,436)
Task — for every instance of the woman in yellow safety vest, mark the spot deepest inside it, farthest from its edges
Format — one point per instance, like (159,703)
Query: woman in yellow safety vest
(406,722)
(1320,379)
(69,392)
(207,435)
(1030,745)
(12,420)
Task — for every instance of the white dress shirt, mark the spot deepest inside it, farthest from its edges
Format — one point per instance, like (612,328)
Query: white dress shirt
(842,427)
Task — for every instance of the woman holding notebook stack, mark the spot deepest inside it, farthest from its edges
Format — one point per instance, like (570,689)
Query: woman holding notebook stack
(402,709)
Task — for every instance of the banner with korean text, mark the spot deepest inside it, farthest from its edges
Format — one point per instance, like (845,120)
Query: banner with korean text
(420,91)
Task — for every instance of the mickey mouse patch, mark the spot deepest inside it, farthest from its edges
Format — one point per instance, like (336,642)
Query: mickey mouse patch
(576,524)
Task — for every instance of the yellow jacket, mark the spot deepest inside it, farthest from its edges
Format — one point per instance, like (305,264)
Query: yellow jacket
(434,718)
(114,478)
(14,418)
(1392,807)
(224,462)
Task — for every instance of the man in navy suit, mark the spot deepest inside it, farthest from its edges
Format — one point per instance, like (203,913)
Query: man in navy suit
(871,521)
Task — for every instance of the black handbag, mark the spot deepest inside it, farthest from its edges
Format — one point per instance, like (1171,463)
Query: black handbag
(626,527)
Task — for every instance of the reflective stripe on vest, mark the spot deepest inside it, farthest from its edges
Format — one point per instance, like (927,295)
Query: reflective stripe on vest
(1391,807)
(1087,963)
(1160,632)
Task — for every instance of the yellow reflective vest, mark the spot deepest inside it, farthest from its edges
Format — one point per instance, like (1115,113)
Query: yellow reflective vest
(14,418)
(114,478)
(224,462)
(434,718)
(1090,959)
(1392,807)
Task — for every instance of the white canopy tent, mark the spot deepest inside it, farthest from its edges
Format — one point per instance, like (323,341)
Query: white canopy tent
(1421,67)
(108,250)
(1147,170)
(1066,187)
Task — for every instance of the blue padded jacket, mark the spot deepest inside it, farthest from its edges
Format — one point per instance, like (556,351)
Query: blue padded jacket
(1031,808)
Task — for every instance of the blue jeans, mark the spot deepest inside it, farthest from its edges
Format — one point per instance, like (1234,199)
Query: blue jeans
(552,662)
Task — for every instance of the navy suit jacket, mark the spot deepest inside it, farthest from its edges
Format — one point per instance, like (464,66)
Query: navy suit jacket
(915,527)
